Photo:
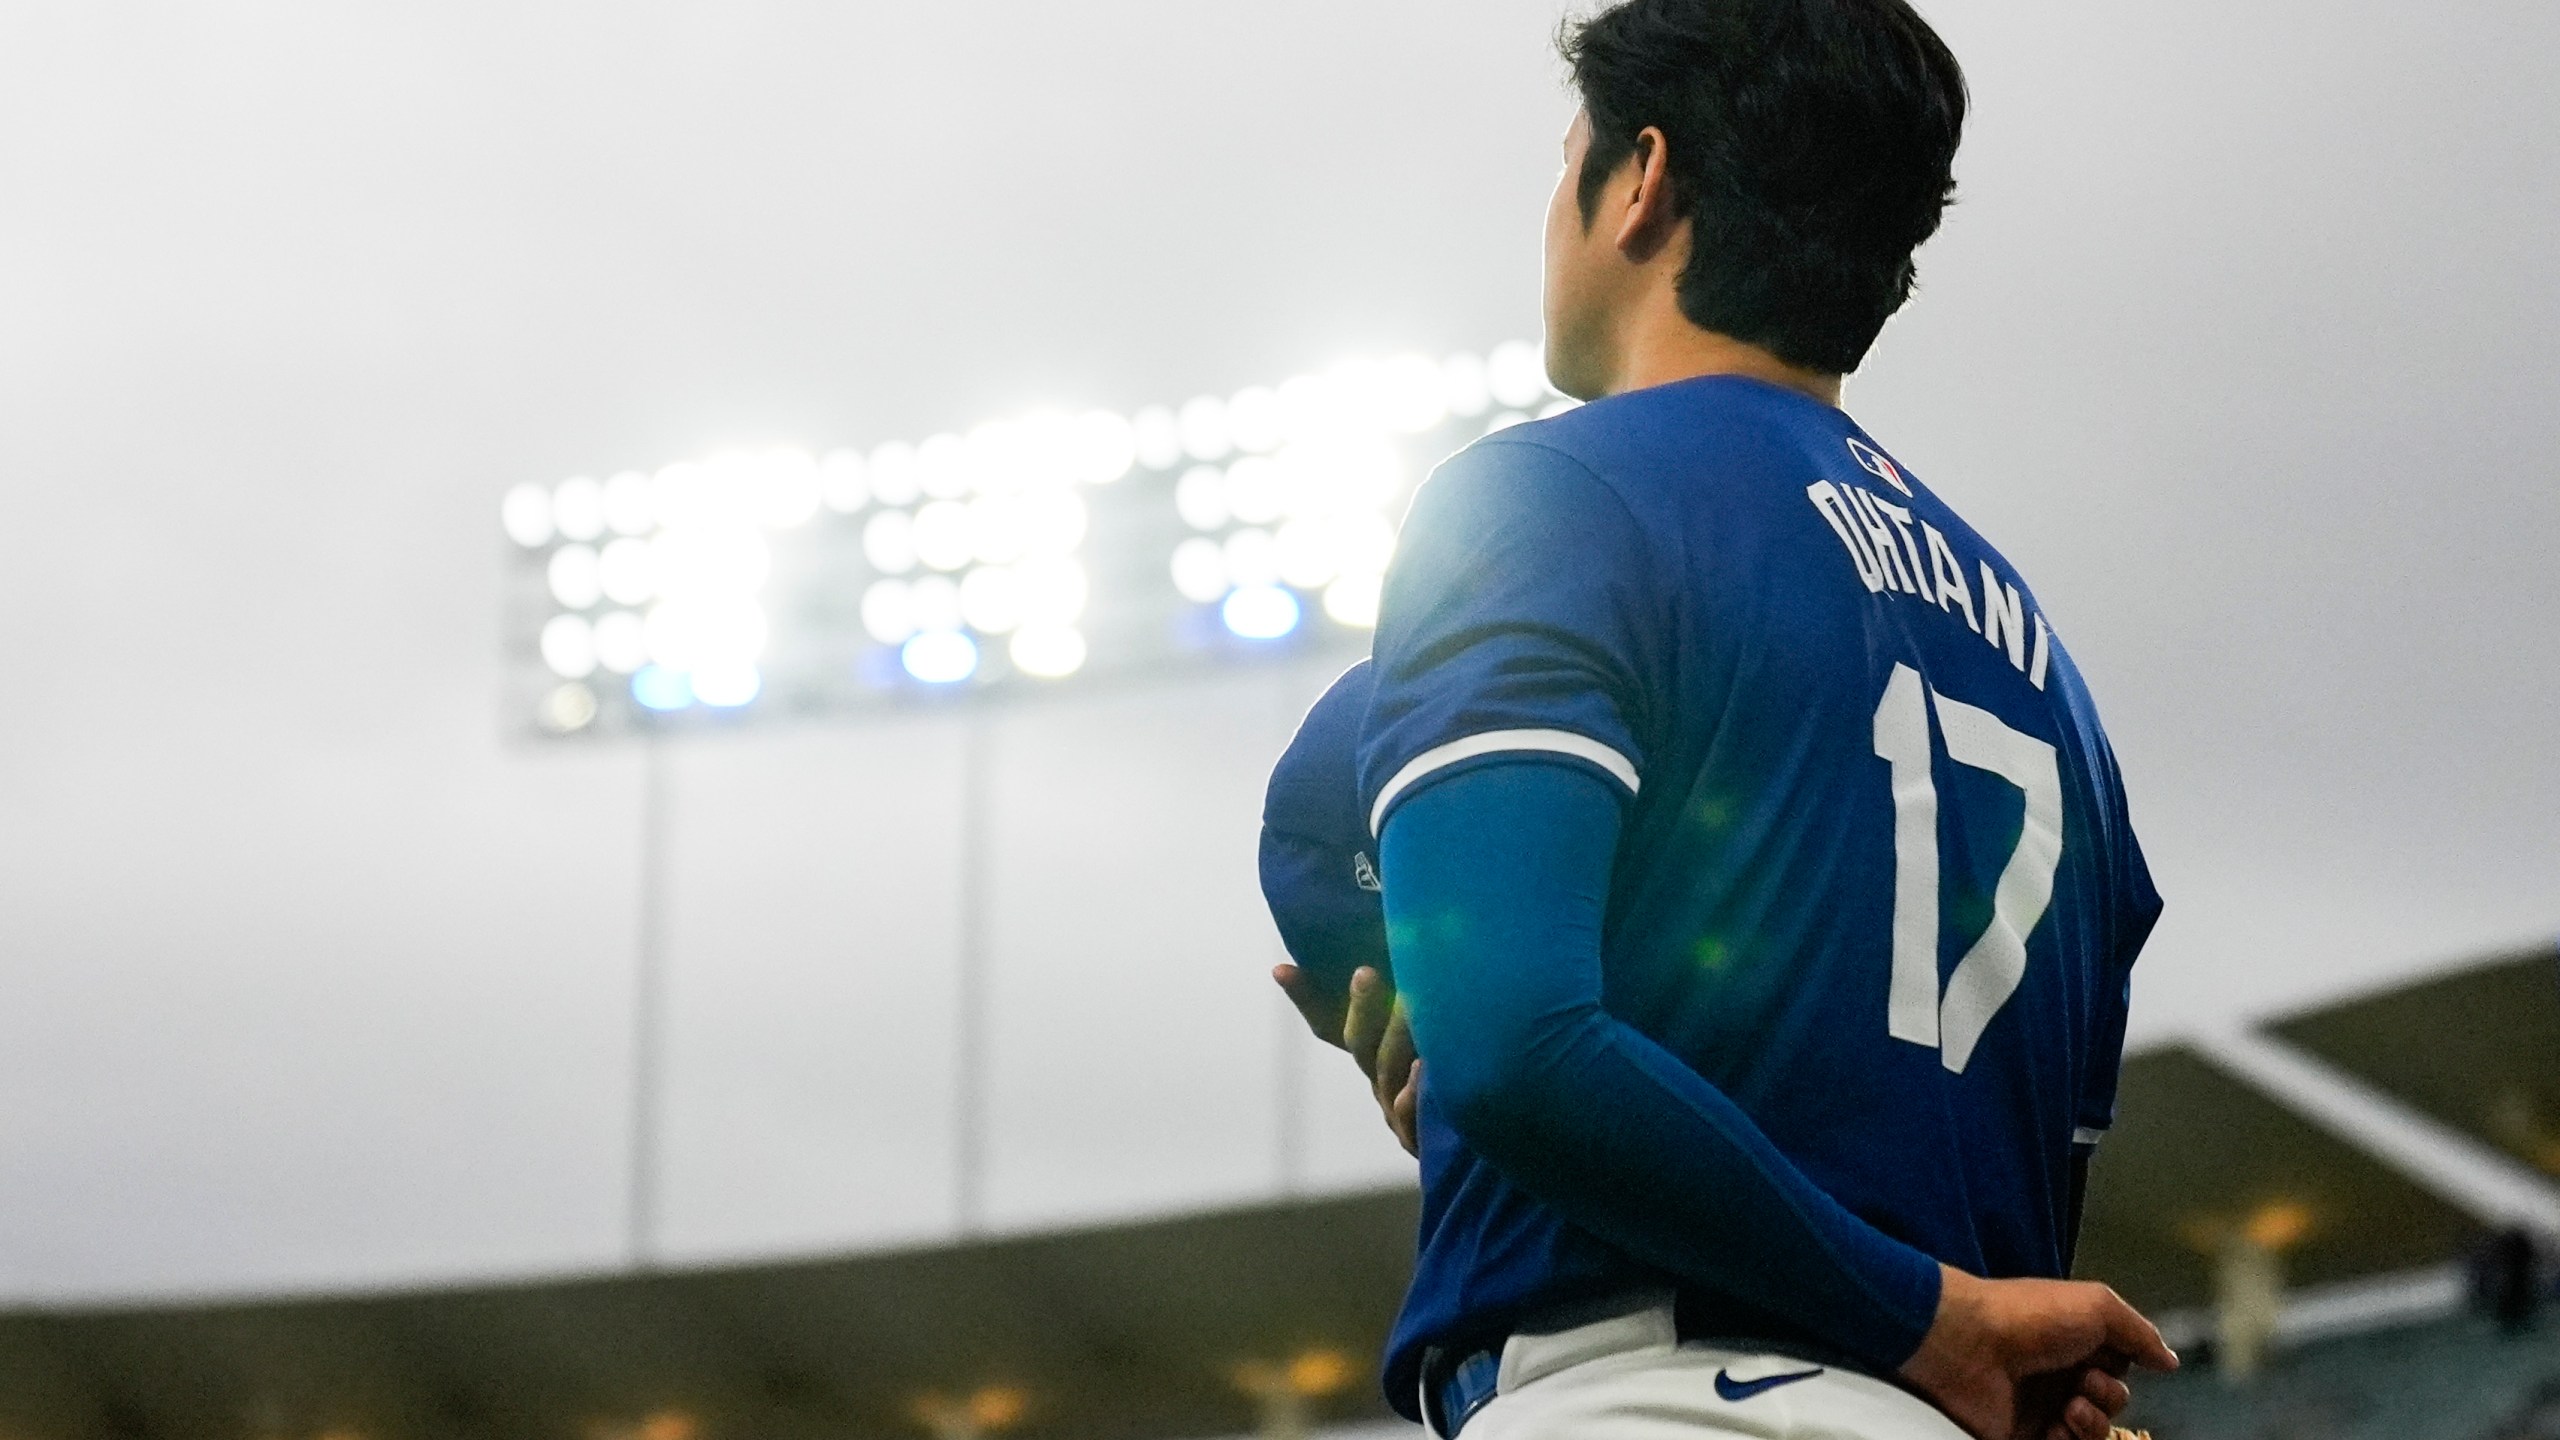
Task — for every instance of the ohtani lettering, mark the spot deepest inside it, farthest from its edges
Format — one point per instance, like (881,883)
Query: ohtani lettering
(1891,559)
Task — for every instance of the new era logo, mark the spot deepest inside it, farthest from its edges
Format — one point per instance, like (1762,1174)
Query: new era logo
(1875,464)
(1363,874)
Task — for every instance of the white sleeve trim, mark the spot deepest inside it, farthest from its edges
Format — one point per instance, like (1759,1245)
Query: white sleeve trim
(2087,1135)
(1492,742)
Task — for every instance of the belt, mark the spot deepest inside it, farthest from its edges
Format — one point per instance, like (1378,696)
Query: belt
(1450,1401)
(1456,1383)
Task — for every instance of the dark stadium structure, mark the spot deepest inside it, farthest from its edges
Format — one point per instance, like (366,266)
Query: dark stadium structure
(1157,1329)
(2196,1152)
(1132,1331)
(2477,1050)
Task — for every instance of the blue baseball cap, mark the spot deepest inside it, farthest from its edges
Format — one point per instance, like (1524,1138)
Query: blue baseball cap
(1318,871)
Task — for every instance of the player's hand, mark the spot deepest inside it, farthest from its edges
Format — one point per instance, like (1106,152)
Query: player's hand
(1325,1011)
(1367,1021)
(1375,1032)
(2033,1359)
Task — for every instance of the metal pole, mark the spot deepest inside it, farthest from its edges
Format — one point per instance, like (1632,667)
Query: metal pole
(647,1004)
(1290,1123)
(1290,1082)
(969,1047)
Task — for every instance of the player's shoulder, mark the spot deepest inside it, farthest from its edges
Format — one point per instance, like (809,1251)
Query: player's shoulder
(1531,475)
(1641,444)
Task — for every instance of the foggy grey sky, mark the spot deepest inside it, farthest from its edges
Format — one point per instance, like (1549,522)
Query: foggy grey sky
(2239,344)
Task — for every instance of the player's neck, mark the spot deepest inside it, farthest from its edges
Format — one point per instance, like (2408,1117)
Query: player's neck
(1660,345)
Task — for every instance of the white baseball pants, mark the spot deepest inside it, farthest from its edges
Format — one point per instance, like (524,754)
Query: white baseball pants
(1631,1379)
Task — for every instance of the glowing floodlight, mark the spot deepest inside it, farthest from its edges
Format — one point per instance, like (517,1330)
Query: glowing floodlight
(678,491)
(658,688)
(893,474)
(680,583)
(1156,437)
(887,614)
(1002,454)
(1255,490)
(1353,600)
(568,708)
(727,685)
(933,602)
(725,562)
(1260,612)
(1053,521)
(1050,590)
(577,508)
(622,641)
(569,646)
(1200,497)
(690,634)
(630,504)
(942,466)
(1363,542)
(1103,447)
(787,487)
(1253,419)
(889,542)
(573,578)
(726,492)
(1049,520)
(1305,554)
(991,599)
(1200,570)
(997,526)
(1048,651)
(628,570)
(1252,558)
(1203,421)
(1309,407)
(940,657)
(526,513)
(945,536)
(670,632)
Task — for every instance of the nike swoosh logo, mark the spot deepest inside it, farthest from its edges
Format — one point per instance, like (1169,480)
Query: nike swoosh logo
(1728,1388)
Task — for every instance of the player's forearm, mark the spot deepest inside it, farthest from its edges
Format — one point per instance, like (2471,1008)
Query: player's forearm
(1496,888)
(1630,1144)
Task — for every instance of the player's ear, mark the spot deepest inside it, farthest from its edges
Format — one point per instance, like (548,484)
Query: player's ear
(1647,220)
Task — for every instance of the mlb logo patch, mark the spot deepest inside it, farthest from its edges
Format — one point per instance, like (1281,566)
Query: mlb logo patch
(1875,464)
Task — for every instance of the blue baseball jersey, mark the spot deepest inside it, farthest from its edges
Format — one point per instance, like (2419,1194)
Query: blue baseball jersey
(1875,878)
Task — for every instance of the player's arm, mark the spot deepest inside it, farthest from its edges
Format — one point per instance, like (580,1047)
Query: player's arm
(1497,883)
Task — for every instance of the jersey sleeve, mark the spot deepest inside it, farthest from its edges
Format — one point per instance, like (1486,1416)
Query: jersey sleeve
(1517,621)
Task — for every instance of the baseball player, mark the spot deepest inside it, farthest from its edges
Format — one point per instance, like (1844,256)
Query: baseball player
(1755,874)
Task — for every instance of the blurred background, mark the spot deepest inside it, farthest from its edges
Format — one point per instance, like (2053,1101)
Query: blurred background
(793,967)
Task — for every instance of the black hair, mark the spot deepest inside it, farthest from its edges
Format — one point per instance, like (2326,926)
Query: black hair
(1812,145)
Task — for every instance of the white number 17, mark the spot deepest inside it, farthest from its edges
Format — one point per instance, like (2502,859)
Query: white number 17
(1990,971)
